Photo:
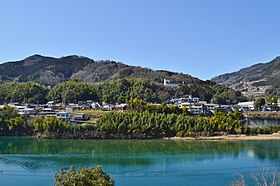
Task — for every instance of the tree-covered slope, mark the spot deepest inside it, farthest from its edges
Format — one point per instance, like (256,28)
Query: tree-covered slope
(51,71)
(45,70)
(256,78)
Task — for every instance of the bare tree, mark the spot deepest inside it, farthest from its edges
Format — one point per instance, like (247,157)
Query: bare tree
(261,178)
(266,178)
(239,180)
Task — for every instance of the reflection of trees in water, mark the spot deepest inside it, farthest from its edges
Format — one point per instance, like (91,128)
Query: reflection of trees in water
(266,150)
(41,162)
(22,162)
(32,153)
(262,149)
(127,147)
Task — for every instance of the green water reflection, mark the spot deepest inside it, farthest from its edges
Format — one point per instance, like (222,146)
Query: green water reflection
(146,160)
(262,149)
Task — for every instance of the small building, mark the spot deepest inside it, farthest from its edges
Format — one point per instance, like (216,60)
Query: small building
(18,108)
(185,99)
(185,104)
(223,108)
(89,102)
(63,115)
(195,99)
(197,109)
(108,107)
(211,107)
(95,105)
(14,104)
(247,106)
(167,83)
(82,102)
(27,111)
(50,103)
(175,101)
(121,107)
(73,106)
(48,112)
(79,117)
(31,105)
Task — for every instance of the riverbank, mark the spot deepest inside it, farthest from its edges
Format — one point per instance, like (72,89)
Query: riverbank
(102,135)
(274,136)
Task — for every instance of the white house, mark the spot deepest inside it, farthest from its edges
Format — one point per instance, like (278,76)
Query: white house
(195,99)
(63,115)
(211,107)
(79,117)
(121,107)
(247,106)
(27,111)
(51,103)
(108,107)
(48,112)
(197,109)
(167,83)
(185,104)
(95,105)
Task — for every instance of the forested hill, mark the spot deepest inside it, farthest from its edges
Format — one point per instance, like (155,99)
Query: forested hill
(78,78)
(254,78)
(52,71)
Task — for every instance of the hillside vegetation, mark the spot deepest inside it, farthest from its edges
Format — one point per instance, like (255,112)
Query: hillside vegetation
(117,91)
(258,79)
(75,78)
(51,71)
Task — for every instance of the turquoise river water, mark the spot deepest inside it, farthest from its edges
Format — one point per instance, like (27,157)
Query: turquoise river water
(32,162)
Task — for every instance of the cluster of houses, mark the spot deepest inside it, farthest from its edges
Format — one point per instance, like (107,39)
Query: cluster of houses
(197,107)
(192,104)
(34,110)
(58,110)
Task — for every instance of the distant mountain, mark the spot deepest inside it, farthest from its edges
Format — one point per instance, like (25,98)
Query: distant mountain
(51,71)
(255,79)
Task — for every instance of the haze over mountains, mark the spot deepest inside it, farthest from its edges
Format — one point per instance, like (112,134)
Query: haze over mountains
(255,79)
(50,71)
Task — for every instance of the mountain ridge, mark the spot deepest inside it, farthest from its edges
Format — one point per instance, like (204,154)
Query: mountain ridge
(255,79)
(51,71)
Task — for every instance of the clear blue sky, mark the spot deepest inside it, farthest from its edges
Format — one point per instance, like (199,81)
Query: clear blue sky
(202,38)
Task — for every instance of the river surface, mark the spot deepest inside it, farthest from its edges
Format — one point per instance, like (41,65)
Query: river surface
(33,162)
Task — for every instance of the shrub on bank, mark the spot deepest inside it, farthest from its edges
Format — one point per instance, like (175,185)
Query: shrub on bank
(94,176)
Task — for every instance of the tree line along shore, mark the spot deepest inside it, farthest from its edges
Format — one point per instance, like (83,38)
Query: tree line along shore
(132,124)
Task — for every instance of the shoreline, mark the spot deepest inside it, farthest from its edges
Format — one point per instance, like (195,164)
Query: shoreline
(237,137)
(230,137)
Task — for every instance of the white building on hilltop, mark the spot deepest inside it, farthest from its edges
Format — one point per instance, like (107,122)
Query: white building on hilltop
(167,83)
